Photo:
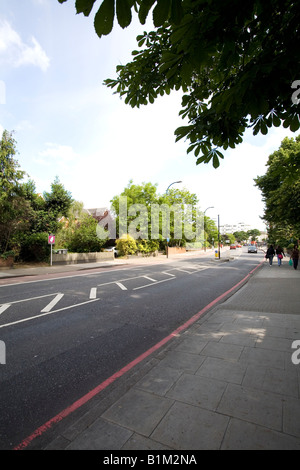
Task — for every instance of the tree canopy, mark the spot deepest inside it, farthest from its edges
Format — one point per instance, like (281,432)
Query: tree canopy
(236,63)
(280,187)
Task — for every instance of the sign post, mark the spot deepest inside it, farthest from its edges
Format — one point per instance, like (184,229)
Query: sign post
(51,241)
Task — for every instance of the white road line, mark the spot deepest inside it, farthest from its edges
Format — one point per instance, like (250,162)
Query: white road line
(46,313)
(34,298)
(4,307)
(183,270)
(150,278)
(121,285)
(168,274)
(93,293)
(154,283)
(52,303)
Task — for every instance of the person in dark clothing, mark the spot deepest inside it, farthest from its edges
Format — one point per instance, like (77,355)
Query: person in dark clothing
(295,256)
(280,254)
(270,254)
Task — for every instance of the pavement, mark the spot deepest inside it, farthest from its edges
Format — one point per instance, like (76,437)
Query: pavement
(230,380)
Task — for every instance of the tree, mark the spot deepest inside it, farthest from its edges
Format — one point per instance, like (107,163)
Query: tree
(236,63)
(280,187)
(59,200)
(151,216)
(241,236)
(253,234)
(14,209)
(78,231)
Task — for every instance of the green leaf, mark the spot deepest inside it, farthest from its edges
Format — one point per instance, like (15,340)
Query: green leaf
(104,18)
(294,126)
(123,13)
(161,12)
(144,10)
(176,11)
(84,6)
(216,162)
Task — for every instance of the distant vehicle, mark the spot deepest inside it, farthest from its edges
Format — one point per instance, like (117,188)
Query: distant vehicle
(232,247)
(252,249)
(113,249)
(239,246)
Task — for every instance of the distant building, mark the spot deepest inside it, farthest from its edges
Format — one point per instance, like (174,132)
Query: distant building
(239,227)
(105,219)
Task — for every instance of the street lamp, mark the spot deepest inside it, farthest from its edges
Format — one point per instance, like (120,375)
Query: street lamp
(173,183)
(211,207)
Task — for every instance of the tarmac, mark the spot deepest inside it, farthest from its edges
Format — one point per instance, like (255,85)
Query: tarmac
(229,381)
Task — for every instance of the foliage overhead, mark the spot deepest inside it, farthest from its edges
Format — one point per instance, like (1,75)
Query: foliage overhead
(235,62)
(280,187)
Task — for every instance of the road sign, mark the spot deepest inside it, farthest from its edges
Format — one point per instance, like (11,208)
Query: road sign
(51,239)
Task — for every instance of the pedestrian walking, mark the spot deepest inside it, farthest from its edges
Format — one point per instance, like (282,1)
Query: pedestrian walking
(270,254)
(295,256)
(280,254)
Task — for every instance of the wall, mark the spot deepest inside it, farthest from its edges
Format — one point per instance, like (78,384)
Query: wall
(176,250)
(75,258)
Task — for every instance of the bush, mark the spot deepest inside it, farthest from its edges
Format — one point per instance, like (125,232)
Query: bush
(34,247)
(126,245)
(147,246)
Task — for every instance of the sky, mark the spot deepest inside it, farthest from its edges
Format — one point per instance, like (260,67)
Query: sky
(68,124)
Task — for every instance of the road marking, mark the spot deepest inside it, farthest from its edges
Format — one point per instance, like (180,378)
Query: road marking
(47,313)
(121,285)
(52,303)
(4,307)
(183,270)
(34,298)
(154,283)
(168,274)
(150,278)
(93,293)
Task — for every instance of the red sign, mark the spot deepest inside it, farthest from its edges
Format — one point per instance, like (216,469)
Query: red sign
(51,239)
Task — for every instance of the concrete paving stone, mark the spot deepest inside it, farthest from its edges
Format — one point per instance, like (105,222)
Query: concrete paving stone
(241,435)
(273,380)
(208,334)
(138,411)
(241,339)
(138,442)
(291,416)
(255,296)
(159,380)
(190,427)
(276,344)
(221,369)
(223,350)
(101,435)
(255,406)
(182,361)
(293,333)
(263,357)
(191,344)
(276,331)
(198,390)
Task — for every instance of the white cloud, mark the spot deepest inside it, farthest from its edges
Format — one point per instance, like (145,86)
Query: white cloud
(17,53)
(58,155)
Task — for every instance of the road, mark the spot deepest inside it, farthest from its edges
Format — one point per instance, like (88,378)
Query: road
(65,336)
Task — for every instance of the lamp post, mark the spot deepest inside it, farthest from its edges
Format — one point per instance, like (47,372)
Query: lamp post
(166,193)
(211,207)
(171,185)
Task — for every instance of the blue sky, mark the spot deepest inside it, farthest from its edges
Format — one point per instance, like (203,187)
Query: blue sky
(68,124)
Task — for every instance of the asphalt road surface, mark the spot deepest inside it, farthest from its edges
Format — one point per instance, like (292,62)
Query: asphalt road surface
(65,336)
